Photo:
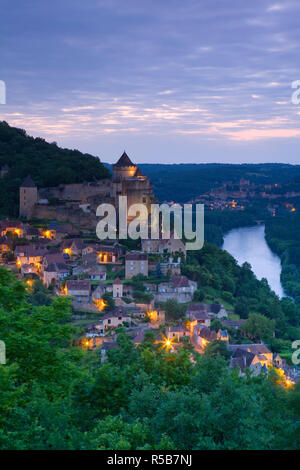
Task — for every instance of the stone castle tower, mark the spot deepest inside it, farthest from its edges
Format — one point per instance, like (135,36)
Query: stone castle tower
(28,197)
(129,181)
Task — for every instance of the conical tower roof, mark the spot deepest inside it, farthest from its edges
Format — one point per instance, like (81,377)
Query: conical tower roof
(124,160)
(28,183)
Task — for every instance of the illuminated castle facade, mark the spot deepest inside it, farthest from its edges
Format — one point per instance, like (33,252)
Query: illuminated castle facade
(79,200)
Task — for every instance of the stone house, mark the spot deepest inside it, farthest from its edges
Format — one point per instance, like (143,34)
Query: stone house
(202,336)
(72,246)
(117,288)
(90,259)
(55,272)
(197,315)
(4,245)
(111,320)
(245,359)
(31,233)
(177,332)
(171,245)
(136,263)
(97,273)
(262,353)
(79,289)
(51,258)
(179,288)
(107,254)
(14,227)
(30,255)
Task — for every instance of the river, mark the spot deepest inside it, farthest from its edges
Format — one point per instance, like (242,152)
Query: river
(249,244)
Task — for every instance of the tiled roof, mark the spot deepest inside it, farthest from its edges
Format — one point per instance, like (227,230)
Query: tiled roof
(54,258)
(76,284)
(136,257)
(180,281)
(6,223)
(31,251)
(208,334)
(57,267)
(180,327)
(106,249)
(253,348)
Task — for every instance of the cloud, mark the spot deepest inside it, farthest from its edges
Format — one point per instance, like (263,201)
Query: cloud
(77,108)
(276,7)
(166,92)
(142,69)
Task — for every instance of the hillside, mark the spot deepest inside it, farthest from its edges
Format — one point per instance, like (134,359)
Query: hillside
(48,165)
(196,179)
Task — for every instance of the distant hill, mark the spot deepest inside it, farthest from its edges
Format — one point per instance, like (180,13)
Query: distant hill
(48,165)
(182,182)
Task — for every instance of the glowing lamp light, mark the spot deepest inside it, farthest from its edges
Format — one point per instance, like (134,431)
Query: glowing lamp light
(100,304)
(152,315)
(64,290)
(68,251)
(29,284)
(288,383)
(166,342)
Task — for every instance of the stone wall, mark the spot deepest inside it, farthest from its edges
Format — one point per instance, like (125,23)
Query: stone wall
(78,192)
(65,214)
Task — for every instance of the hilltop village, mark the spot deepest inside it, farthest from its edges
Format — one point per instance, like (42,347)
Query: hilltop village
(54,249)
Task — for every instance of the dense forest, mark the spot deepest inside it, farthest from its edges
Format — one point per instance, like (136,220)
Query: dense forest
(56,396)
(196,179)
(48,165)
(283,235)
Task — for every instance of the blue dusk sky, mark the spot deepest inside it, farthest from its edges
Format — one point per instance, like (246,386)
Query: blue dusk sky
(170,81)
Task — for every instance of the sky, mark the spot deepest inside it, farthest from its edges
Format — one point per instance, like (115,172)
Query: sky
(169,81)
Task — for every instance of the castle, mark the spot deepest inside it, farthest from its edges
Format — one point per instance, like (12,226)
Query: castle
(77,203)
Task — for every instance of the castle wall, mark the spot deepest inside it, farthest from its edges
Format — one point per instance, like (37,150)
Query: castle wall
(65,214)
(77,192)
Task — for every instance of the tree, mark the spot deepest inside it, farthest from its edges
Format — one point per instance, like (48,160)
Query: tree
(217,347)
(199,295)
(216,324)
(242,307)
(258,327)
(174,310)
